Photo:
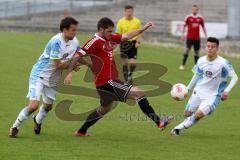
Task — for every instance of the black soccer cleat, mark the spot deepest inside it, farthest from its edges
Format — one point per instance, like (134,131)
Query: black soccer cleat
(13,132)
(37,127)
(164,122)
(175,132)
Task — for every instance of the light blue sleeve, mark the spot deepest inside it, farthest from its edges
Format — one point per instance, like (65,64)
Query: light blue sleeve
(196,70)
(229,68)
(55,49)
(78,46)
(230,73)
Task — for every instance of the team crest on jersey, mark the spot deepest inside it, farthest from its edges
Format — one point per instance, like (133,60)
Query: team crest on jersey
(65,55)
(209,74)
(109,46)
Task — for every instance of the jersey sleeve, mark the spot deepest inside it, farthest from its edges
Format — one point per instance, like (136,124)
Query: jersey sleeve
(186,21)
(55,50)
(202,22)
(119,28)
(197,71)
(228,69)
(89,47)
(117,38)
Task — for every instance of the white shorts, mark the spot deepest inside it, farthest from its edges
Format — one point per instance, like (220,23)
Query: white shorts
(206,105)
(39,89)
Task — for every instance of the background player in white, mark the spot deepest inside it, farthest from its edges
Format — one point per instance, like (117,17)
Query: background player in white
(46,73)
(210,80)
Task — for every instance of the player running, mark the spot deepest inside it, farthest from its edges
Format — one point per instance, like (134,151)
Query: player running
(210,80)
(129,48)
(100,49)
(46,73)
(193,23)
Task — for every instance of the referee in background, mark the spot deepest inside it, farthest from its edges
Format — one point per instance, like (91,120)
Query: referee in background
(129,48)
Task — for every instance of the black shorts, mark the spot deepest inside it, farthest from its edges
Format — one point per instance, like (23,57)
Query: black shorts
(114,90)
(195,43)
(128,49)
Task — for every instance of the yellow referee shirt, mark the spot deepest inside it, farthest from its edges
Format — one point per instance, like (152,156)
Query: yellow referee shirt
(125,26)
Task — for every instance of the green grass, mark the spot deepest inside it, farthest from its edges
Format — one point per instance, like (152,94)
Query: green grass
(115,136)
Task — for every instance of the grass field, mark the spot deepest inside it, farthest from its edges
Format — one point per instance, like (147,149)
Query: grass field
(116,136)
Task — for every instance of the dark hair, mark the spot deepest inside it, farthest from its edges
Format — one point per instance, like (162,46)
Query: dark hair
(194,5)
(128,7)
(213,40)
(67,22)
(104,23)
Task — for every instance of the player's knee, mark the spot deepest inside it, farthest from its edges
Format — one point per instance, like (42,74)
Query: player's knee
(33,106)
(105,109)
(187,113)
(187,51)
(136,92)
(199,115)
(48,107)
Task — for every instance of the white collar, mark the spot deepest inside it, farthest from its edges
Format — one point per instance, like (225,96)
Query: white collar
(195,16)
(96,35)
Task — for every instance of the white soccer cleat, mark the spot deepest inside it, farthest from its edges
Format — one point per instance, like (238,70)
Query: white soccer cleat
(182,67)
(175,132)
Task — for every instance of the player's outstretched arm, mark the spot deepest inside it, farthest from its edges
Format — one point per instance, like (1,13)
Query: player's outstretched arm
(234,79)
(192,83)
(60,65)
(73,65)
(137,32)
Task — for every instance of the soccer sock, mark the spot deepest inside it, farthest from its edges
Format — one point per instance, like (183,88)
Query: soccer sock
(188,122)
(148,110)
(41,114)
(91,120)
(196,58)
(132,69)
(125,72)
(23,115)
(185,57)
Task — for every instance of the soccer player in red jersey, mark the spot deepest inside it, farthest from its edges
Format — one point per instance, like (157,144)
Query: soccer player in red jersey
(110,88)
(193,23)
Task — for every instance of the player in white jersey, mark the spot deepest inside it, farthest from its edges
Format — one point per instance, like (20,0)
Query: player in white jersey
(46,74)
(210,81)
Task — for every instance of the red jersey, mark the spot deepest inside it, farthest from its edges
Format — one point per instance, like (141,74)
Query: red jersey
(193,23)
(101,52)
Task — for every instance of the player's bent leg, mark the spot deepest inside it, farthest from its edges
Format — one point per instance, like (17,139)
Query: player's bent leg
(23,115)
(185,57)
(187,114)
(191,107)
(147,108)
(43,111)
(92,118)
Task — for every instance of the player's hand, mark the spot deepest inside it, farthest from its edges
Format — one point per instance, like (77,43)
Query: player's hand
(137,44)
(182,38)
(224,96)
(148,25)
(76,67)
(68,79)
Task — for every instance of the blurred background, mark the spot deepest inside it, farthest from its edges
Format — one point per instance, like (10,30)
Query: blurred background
(222,17)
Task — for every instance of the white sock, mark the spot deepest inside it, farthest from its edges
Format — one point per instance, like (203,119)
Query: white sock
(181,125)
(41,114)
(188,122)
(23,115)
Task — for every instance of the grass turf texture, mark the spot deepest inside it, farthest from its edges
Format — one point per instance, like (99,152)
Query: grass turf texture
(120,135)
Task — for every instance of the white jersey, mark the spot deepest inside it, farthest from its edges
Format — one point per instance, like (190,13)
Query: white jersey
(56,49)
(213,76)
